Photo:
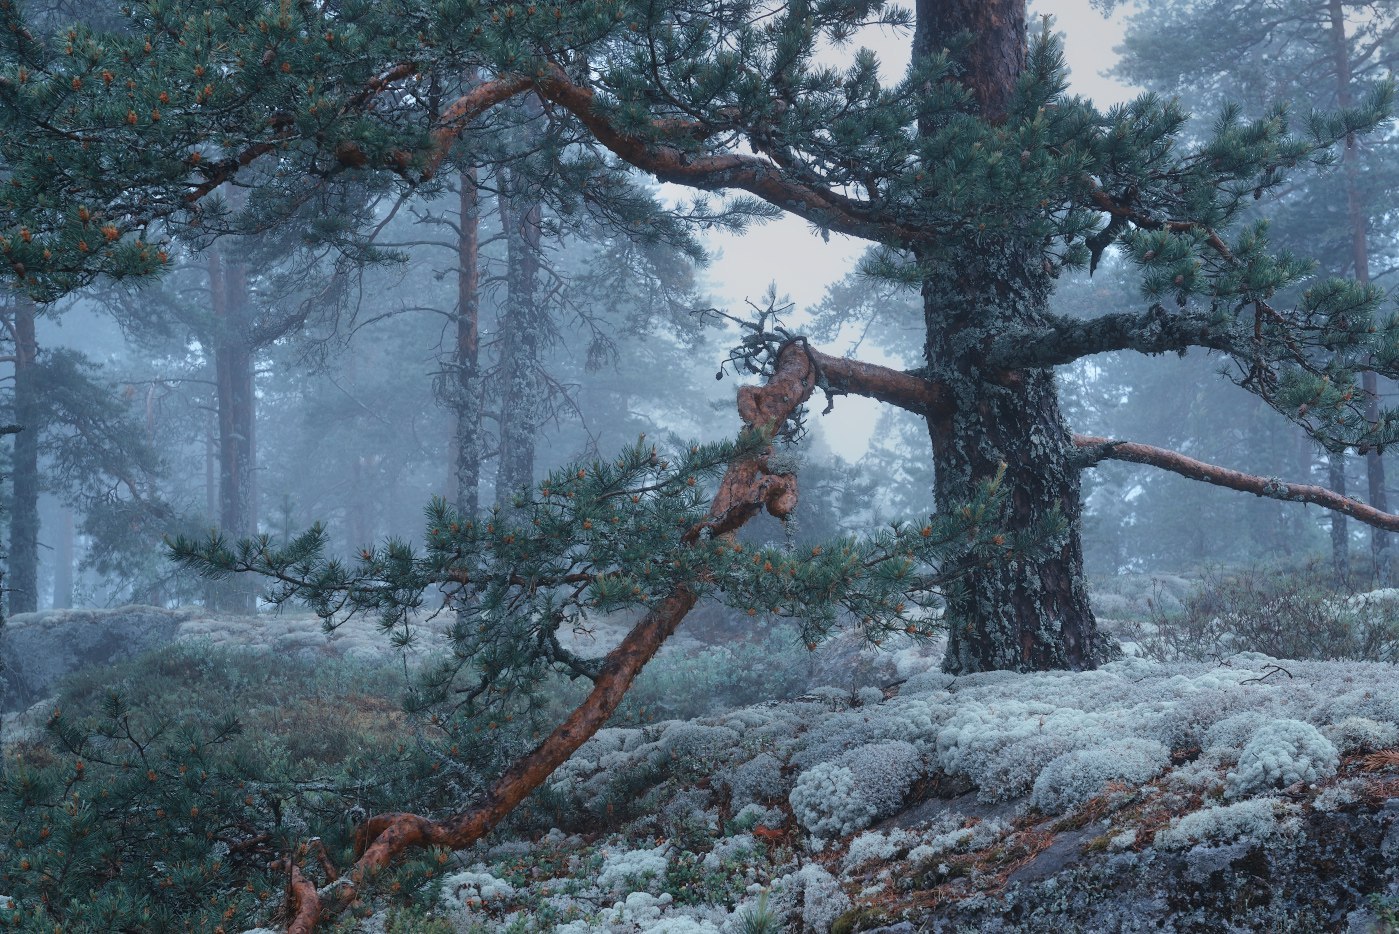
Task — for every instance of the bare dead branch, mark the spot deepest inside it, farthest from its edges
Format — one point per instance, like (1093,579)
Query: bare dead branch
(1094,450)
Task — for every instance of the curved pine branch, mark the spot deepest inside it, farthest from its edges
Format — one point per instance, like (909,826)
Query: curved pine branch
(662,153)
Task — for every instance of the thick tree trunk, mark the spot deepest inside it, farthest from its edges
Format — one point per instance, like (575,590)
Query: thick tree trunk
(23,577)
(1022,615)
(1360,257)
(464,374)
(521,389)
(233,375)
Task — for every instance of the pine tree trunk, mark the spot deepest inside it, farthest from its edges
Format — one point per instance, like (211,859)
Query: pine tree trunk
(23,577)
(521,390)
(1360,257)
(1340,534)
(63,561)
(464,375)
(1019,614)
(233,375)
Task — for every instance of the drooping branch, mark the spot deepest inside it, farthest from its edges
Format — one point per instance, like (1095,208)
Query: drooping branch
(663,153)
(919,395)
(1063,340)
(747,488)
(1093,450)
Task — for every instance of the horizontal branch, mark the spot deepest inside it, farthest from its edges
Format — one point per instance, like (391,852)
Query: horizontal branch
(1105,202)
(842,375)
(1094,450)
(1062,340)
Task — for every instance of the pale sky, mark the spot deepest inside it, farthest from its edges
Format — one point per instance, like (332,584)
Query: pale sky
(789,253)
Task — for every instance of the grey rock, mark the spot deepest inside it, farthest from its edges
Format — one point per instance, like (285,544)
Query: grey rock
(39,649)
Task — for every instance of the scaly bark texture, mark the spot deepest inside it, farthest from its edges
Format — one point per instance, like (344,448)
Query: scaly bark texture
(23,577)
(1019,615)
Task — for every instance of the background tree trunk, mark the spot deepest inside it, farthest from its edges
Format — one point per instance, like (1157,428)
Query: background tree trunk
(521,390)
(464,375)
(233,375)
(63,555)
(23,578)
(1340,533)
(1360,256)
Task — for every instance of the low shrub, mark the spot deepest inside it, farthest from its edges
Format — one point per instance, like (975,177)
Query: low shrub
(1295,613)
(164,786)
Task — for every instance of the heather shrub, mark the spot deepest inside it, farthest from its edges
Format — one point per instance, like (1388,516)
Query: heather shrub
(1288,613)
(163,787)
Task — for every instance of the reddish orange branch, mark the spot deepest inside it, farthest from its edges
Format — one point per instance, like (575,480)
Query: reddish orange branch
(1100,449)
(905,390)
(303,904)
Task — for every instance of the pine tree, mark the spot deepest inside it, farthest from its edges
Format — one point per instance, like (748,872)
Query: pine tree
(978,173)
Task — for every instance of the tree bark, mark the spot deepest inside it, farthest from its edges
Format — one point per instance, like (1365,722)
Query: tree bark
(521,390)
(63,561)
(1360,257)
(233,376)
(1019,615)
(464,374)
(23,578)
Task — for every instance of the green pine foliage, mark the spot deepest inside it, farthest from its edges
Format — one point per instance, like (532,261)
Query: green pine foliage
(147,804)
(600,538)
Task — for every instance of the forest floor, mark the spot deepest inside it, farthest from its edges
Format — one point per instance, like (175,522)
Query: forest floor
(753,787)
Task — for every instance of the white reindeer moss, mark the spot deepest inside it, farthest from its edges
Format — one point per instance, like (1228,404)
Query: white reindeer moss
(852,791)
(1361,734)
(634,870)
(1074,777)
(1279,754)
(808,901)
(466,891)
(1250,822)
